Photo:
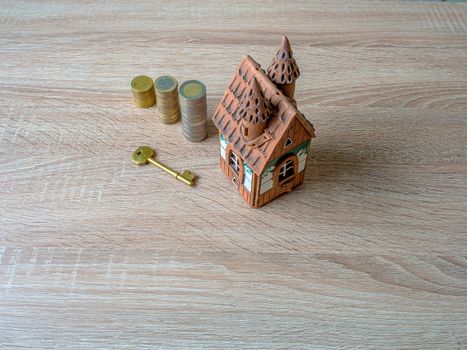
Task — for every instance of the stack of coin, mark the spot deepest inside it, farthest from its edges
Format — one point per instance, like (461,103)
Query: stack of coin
(167,99)
(143,91)
(194,110)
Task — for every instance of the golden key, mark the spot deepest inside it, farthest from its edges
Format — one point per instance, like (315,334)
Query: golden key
(146,154)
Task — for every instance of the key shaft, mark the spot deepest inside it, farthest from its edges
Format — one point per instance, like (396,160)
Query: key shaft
(175,174)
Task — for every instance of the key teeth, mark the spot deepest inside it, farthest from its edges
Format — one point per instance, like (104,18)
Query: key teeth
(187,174)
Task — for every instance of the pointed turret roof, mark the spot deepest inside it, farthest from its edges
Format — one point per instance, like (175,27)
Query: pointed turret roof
(254,106)
(283,68)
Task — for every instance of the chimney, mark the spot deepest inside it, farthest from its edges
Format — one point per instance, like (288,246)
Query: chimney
(283,70)
(255,111)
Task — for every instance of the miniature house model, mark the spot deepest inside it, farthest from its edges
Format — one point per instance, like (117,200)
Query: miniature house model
(264,139)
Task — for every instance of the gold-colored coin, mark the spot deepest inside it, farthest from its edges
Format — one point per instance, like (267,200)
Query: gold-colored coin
(143,91)
(167,96)
(141,84)
(165,83)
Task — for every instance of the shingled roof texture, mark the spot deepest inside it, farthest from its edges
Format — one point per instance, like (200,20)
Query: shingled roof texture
(227,115)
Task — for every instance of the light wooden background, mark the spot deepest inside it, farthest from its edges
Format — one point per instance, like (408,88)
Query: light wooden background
(370,252)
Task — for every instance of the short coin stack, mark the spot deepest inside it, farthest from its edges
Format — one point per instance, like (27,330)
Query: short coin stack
(194,110)
(143,91)
(167,99)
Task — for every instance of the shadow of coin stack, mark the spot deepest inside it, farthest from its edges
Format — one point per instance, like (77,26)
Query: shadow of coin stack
(142,88)
(167,99)
(194,110)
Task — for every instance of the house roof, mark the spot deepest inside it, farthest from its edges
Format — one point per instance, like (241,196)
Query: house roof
(227,115)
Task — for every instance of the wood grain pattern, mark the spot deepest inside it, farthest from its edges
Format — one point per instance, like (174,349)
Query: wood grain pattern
(369,252)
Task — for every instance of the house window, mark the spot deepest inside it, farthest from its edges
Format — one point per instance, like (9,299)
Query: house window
(234,181)
(288,142)
(234,163)
(286,171)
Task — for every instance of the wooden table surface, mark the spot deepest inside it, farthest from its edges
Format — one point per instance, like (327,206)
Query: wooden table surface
(370,252)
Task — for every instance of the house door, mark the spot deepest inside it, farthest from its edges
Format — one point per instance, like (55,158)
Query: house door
(285,174)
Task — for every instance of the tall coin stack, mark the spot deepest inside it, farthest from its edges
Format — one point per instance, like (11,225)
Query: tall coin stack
(143,91)
(167,99)
(194,110)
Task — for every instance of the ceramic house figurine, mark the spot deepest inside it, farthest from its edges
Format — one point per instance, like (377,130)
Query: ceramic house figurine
(264,139)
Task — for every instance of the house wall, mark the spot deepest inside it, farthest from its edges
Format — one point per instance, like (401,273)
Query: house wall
(259,190)
(297,133)
(269,187)
(247,181)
